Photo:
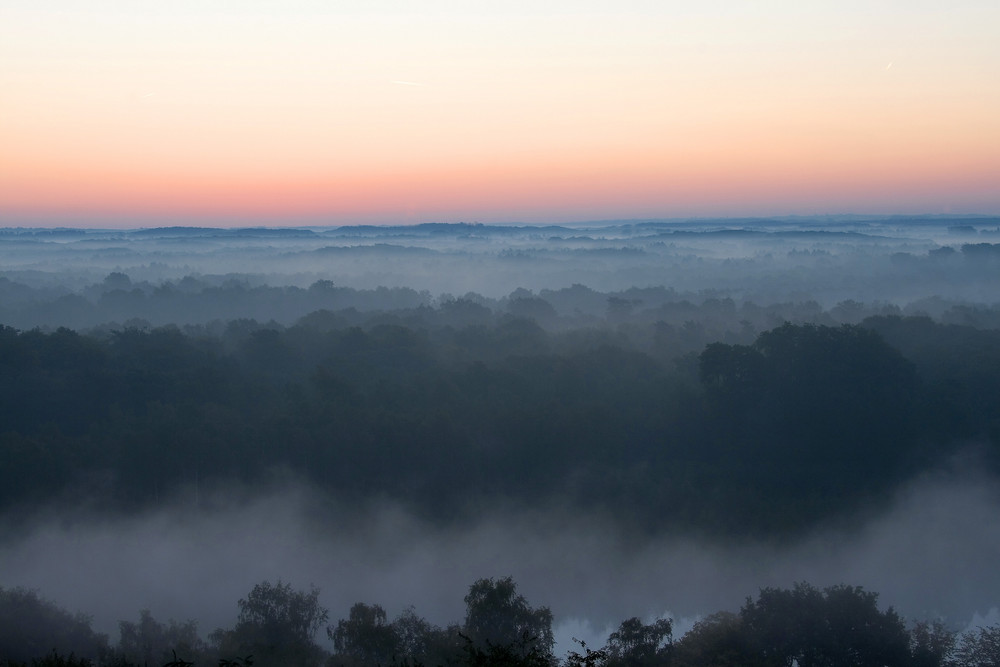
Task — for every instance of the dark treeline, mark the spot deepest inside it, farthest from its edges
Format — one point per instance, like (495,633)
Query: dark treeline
(277,625)
(453,409)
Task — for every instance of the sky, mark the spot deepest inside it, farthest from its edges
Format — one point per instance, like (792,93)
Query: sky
(140,112)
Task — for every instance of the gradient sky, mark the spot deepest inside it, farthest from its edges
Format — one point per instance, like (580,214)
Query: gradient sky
(140,112)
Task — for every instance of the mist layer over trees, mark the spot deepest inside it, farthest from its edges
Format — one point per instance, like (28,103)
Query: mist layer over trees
(725,390)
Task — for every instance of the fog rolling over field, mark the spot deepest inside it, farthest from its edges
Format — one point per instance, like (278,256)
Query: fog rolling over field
(630,418)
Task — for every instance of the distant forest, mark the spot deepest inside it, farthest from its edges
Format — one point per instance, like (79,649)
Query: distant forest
(682,383)
(707,417)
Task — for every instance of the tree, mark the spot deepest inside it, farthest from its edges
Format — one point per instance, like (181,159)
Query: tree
(421,642)
(979,648)
(496,615)
(840,626)
(589,658)
(716,641)
(931,644)
(31,627)
(807,422)
(276,625)
(860,634)
(153,643)
(635,644)
(365,637)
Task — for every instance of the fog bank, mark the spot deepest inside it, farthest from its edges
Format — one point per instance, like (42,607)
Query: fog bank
(933,554)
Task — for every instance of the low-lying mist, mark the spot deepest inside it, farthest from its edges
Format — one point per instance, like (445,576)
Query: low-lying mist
(630,419)
(932,555)
(175,275)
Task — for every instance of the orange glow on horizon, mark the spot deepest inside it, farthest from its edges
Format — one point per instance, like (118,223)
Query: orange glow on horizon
(585,112)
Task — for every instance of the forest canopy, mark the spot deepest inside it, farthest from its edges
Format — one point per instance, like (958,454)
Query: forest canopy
(624,415)
(800,424)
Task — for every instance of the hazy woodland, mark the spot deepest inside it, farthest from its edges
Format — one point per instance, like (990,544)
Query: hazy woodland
(651,419)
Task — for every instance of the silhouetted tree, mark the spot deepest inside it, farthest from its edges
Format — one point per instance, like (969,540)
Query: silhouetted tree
(715,641)
(979,648)
(497,617)
(276,625)
(32,627)
(839,626)
(931,644)
(365,637)
(589,658)
(151,642)
(635,644)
